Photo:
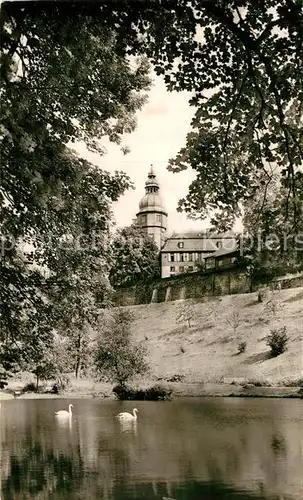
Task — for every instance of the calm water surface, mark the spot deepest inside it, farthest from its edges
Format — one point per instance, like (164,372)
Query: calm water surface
(195,449)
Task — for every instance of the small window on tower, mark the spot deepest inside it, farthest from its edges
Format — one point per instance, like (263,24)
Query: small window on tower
(143,218)
(158,218)
(180,244)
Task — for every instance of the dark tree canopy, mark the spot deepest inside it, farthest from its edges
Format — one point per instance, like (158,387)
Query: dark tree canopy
(135,257)
(62,80)
(73,71)
(242,60)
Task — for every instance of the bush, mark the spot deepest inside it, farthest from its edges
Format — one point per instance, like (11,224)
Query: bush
(154,393)
(62,383)
(261,294)
(175,378)
(277,340)
(30,387)
(293,382)
(259,383)
(242,347)
(117,355)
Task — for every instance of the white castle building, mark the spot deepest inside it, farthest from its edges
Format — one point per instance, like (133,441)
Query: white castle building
(181,252)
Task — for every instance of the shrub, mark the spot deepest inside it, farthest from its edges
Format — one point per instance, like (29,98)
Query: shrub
(277,340)
(154,393)
(293,383)
(117,356)
(242,347)
(30,387)
(62,382)
(175,378)
(261,294)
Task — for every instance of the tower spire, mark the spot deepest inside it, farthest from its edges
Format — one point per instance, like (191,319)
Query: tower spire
(152,216)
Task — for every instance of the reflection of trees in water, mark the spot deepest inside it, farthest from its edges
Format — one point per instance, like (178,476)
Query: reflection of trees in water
(186,442)
(278,444)
(42,471)
(174,450)
(193,490)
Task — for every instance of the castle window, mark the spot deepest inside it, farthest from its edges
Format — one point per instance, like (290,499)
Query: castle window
(171,257)
(180,244)
(219,244)
(158,218)
(181,257)
(190,257)
(172,268)
(143,218)
(190,268)
(181,269)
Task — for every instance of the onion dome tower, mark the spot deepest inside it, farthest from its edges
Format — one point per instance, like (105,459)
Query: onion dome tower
(152,216)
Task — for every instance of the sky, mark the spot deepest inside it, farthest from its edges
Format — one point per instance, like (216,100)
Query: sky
(161,131)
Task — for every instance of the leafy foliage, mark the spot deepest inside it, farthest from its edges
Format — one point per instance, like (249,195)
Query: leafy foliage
(155,393)
(56,89)
(277,341)
(272,243)
(242,347)
(241,60)
(116,356)
(135,257)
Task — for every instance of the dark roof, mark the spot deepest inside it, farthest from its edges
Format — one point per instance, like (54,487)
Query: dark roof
(202,234)
(189,245)
(195,241)
(222,252)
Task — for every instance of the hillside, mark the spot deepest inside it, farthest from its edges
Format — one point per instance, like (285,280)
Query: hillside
(208,350)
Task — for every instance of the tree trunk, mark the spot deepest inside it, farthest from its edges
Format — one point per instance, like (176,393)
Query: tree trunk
(78,358)
(78,366)
(37,381)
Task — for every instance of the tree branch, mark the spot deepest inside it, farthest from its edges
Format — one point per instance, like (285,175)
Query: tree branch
(232,111)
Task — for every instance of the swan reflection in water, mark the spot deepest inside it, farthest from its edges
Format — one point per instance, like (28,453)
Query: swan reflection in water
(128,426)
(64,422)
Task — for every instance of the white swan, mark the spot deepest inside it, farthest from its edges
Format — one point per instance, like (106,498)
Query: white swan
(128,416)
(64,413)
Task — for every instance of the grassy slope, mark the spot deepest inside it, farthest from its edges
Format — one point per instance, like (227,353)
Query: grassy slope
(210,346)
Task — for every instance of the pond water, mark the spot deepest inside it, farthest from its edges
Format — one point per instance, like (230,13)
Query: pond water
(195,449)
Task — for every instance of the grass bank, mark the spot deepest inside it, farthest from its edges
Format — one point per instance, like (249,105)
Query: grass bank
(207,351)
(203,359)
